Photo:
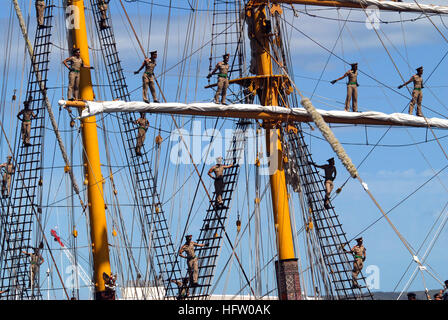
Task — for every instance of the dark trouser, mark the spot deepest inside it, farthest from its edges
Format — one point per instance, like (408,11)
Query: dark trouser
(219,187)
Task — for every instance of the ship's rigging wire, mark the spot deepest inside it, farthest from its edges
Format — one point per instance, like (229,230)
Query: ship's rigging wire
(317,118)
(345,62)
(430,246)
(187,149)
(427,16)
(421,267)
(329,56)
(153,148)
(425,255)
(364,73)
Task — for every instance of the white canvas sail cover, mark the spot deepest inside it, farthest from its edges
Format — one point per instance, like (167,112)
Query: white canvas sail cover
(401,6)
(254,111)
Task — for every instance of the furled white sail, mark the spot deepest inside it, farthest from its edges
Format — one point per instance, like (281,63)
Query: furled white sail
(401,6)
(254,111)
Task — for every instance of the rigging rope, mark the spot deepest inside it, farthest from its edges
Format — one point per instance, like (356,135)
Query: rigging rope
(187,149)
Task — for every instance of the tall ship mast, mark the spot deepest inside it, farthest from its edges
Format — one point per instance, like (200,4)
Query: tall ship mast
(265,218)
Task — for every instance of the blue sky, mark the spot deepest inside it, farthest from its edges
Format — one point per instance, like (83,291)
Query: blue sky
(403,160)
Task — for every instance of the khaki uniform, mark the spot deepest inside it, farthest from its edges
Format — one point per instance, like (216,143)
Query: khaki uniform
(26,124)
(359,253)
(223,82)
(36,261)
(148,80)
(6,182)
(219,182)
(352,91)
(103,6)
(143,127)
(74,77)
(417,95)
(192,261)
(40,12)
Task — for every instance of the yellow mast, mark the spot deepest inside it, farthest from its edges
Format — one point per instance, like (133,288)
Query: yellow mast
(268,88)
(92,165)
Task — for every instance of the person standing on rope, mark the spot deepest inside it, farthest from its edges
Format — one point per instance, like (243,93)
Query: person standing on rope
(40,12)
(74,76)
(352,87)
(192,259)
(143,125)
(36,261)
(7,174)
(359,253)
(148,77)
(330,175)
(417,94)
(102,6)
(26,114)
(223,79)
(183,288)
(218,170)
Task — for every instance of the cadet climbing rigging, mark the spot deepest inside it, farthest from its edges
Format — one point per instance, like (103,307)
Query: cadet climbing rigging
(7,174)
(26,114)
(192,259)
(330,175)
(359,253)
(143,125)
(218,170)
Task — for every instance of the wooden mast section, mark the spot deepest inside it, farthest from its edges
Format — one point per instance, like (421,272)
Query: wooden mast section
(92,167)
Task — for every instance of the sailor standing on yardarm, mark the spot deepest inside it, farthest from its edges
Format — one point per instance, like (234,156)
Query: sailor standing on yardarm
(417,94)
(74,76)
(148,79)
(352,87)
(223,78)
